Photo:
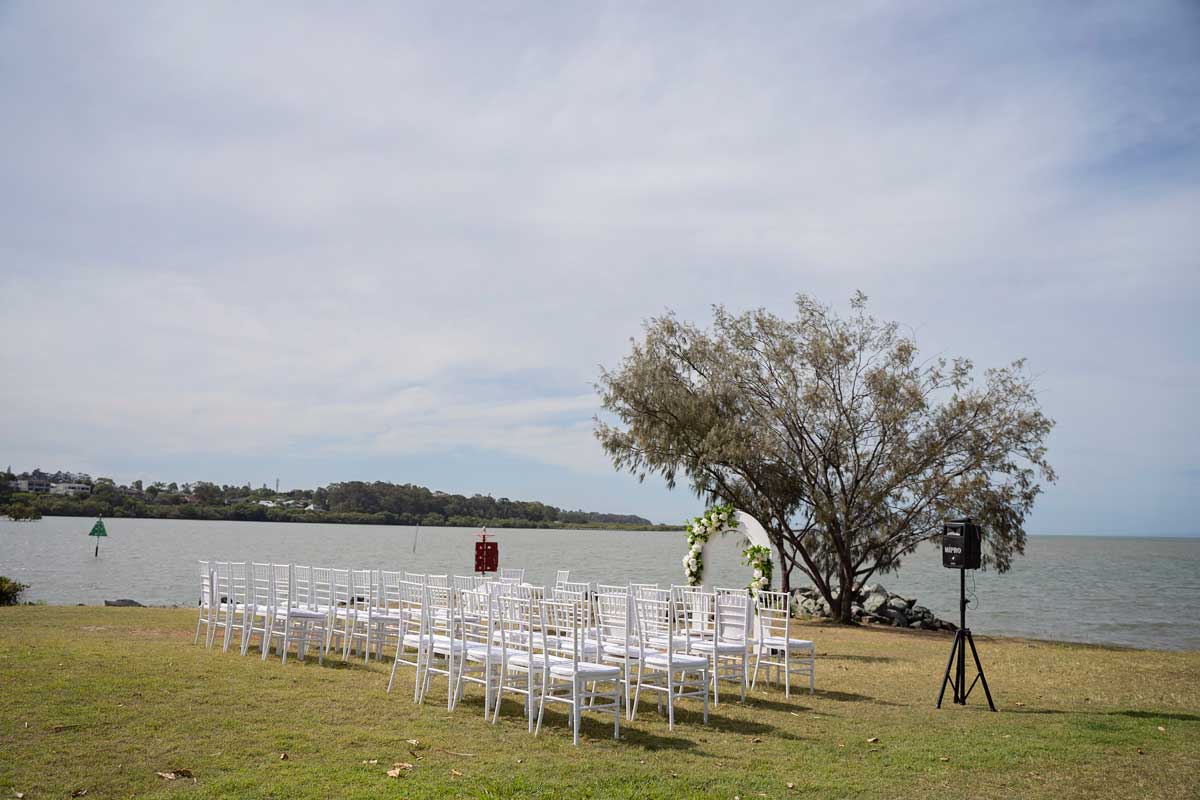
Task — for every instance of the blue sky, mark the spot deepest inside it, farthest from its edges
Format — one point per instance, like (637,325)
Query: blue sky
(392,241)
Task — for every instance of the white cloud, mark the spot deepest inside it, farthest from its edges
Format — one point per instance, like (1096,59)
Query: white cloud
(403,231)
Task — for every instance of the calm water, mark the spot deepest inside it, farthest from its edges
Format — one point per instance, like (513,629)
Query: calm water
(1129,591)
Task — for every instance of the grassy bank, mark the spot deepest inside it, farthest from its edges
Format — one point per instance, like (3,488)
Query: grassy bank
(102,699)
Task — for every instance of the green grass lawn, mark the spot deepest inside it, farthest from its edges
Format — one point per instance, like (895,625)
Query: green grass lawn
(102,699)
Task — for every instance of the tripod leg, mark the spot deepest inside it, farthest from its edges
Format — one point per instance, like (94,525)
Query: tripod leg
(946,677)
(982,677)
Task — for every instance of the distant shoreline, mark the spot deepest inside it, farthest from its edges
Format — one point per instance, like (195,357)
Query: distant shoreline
(259,514)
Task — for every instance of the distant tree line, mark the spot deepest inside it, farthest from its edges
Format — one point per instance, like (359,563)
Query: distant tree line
(353,502)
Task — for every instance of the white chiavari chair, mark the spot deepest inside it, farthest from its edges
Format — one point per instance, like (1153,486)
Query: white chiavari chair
(561,577)
(463,583)
(416,577)
(727,647)
(414,635)
(440,581)
(291,620)
(445,650)
(512,574)
(774,646)
(483,655)
(638,588)
(341,610)
(259,613)
(207,607)
(239,604)
(572,678)
(383,616)
(223,603)
(522,667)
(666,668)
(616,633)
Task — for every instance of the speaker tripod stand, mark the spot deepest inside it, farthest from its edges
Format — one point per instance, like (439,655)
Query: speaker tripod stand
(958,656)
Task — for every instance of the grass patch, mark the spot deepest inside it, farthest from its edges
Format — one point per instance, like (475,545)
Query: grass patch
(103,698)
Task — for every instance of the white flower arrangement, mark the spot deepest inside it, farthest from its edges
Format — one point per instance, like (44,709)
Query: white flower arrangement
(718,519)
(759,558)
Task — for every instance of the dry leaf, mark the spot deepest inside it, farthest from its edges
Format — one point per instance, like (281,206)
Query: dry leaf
(873,740)
(167,776)
(79,793)
(19,795)
(455,773)
(1141,752)
(402,765)
(945,758)
(413,742)
(393,773)
(1161,729)
(755,740)
(1019,704)
(283,756)
(520,760)
(791,785)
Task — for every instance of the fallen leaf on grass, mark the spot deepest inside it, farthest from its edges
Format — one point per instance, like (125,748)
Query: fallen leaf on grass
(944,758)
(413,742)
(19,795)
(1141,752)
(1019,704)
(371,761)
(755,740)
(79,793)
(455,773)
(791,785)
(283,756)
(1161,729)
(873,740)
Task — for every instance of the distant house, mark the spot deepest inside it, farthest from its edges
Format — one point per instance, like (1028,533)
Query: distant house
(267,503)
(35,485)
(71,489)
(312,507)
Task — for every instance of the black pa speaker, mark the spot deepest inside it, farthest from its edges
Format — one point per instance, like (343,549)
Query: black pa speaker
(960,544)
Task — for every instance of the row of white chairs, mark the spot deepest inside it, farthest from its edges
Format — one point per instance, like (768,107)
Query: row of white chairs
(582,646)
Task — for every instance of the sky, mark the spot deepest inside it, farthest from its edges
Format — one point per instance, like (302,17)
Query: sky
(386,241)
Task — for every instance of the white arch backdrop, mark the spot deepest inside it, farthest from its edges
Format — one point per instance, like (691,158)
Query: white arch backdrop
(717,520)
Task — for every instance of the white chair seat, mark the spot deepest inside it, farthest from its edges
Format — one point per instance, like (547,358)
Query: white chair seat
(566,643)
(678,660)
(480,652)
(535,660)
(299,613)
(414,640)
(633,651)
(780,642)
(444,644)
(720,647)
(585,668)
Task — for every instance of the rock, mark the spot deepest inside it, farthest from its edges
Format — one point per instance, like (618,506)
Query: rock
(875,588)
(916,624)
(897,602)
(124,603)
(874,603)
(920,612)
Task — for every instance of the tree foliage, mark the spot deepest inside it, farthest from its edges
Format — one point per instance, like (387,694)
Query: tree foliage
(833,432)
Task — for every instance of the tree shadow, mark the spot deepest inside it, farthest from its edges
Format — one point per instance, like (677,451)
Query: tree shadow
(793,705)
(863,659)
(1134,714)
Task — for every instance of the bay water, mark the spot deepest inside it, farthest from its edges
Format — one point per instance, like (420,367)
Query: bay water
(1132,591)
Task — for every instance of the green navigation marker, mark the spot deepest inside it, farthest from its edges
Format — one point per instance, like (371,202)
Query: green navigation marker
(98,530)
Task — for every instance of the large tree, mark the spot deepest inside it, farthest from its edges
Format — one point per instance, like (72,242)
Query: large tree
(833,432)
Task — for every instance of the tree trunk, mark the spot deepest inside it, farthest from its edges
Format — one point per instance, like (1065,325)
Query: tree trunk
(845,594)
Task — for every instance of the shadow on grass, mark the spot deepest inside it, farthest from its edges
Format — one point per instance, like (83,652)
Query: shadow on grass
(796,703)
(863,659)
(1150,715)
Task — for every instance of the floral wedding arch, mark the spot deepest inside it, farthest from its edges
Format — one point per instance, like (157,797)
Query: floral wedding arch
(726,519)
